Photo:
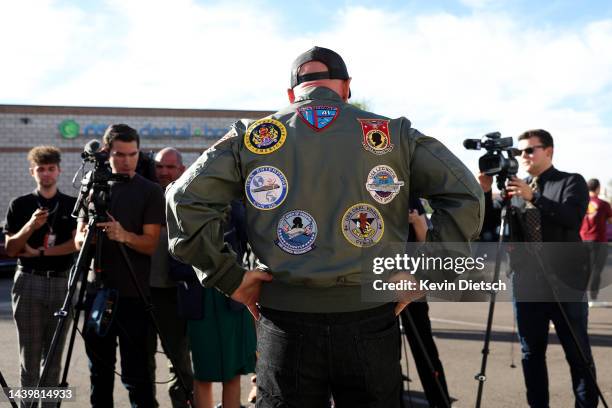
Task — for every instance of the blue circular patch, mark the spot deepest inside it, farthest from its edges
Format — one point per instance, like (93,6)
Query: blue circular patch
(296,232)
(266,187)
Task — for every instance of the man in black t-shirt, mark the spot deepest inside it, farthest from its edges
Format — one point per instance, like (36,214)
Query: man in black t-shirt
(135,217)
(39,231)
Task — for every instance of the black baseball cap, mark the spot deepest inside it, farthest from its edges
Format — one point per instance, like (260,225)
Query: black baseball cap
(336,68)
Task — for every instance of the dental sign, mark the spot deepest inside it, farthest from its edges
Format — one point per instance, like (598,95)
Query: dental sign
(70,129)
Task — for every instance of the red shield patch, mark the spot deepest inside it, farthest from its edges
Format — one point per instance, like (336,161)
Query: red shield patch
(376,137)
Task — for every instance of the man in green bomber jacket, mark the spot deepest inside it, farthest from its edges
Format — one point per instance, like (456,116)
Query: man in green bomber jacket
(323,181)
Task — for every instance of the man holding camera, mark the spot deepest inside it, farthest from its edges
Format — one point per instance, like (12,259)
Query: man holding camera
(39,231)
(557,201)
(134,217)
(313,175)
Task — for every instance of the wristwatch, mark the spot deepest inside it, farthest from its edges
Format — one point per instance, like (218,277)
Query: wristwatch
(41,252)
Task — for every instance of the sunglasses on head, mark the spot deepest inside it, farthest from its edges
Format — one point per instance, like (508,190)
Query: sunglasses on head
(530,149)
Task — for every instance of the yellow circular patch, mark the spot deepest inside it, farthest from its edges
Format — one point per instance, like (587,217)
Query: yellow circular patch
(265,136)
(362,225)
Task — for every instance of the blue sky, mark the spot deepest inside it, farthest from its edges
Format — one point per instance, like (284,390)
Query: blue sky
(457,69)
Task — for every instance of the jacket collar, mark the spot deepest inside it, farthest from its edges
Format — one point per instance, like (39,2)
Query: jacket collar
(544,176)
(319,93)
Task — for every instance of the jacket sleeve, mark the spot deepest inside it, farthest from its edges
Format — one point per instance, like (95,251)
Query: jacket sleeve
(454,194)
(574,201)
(492,213)
(197,206)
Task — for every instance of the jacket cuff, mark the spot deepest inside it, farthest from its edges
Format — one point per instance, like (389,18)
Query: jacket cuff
(230,280)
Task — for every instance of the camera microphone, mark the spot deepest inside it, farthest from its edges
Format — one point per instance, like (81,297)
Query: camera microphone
(92,147)
(472,144)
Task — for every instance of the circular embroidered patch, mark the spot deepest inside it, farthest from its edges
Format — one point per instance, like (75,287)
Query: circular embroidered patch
(265,136)
(383,184)
(296,232)
(266,187)
(362,225)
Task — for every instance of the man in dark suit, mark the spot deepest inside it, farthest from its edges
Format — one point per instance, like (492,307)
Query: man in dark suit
(558,200)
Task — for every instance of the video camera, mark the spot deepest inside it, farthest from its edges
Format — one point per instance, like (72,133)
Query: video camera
(94,194)
(493,162)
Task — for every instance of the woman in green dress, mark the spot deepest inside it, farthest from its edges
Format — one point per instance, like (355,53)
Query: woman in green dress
(223,348)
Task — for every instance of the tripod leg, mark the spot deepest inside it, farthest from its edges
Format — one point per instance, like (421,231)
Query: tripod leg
(79,307)
(406,378)
(414,331)
(481,377)
(5,390)
(577,314)
(62,314)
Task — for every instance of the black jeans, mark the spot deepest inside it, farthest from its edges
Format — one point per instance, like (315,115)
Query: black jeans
(131,325)
(306,358)
(533,325)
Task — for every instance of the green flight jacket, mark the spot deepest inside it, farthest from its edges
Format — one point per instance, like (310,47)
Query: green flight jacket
(319,157)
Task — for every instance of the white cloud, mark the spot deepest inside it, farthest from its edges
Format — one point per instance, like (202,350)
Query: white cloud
(453,76)
(36,42)
(479,4)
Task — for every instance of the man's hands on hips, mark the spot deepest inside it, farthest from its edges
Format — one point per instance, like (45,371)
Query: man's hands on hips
(406,296)
(249,289)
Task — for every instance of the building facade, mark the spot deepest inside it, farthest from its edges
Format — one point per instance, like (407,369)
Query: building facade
(22,127)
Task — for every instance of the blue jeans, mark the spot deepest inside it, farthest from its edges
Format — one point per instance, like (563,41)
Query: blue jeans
(131,325)
(533,323)
(305,358)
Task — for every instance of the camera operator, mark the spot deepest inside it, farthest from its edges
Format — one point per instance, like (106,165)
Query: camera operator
(558,200)
(134,219)
(40,231)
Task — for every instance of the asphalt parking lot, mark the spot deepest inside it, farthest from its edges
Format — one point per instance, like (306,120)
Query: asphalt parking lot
(459,331)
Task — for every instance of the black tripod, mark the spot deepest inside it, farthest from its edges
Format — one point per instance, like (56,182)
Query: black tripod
(505,221)
(6,391)
(421,345)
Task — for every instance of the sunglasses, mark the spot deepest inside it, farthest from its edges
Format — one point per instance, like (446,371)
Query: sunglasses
(530,149)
